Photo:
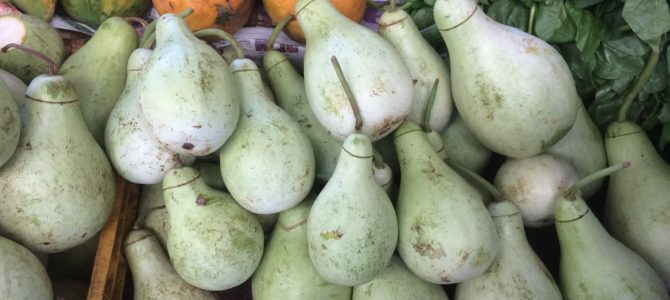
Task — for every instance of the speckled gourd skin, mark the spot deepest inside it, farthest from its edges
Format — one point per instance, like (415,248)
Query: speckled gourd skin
(289,88)
(377,75)
(187,93)
(513,90)
(637,207)
(10,124)
(583,146)
(58,172)
(424,65)
(40,36)
(154,278)
(286,272)
(98,72)
(445,232)
(516,272)
(23,277)
(135,152)
(216,246)
(398,282)
(594,265)
(268,163)
(352,228)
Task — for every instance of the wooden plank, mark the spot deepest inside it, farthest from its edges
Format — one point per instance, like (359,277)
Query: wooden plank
(109,269)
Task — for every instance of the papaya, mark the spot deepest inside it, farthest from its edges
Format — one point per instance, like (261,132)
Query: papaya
(228,15)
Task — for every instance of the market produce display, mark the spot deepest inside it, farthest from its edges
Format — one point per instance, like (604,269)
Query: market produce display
(428,149)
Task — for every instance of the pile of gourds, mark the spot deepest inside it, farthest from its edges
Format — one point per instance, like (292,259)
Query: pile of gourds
(228,151)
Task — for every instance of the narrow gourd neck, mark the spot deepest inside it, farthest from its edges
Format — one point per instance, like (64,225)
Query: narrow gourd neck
(250,83)
(356,156)
(317,18)
(146,257)
(170,26)
(451,14)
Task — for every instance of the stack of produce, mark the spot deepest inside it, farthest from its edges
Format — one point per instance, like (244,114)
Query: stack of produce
(361,176)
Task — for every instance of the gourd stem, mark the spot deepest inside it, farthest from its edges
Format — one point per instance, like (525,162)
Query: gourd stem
(377,159)
(186,12)
(224,35)
(52,67)
(151,28)
(148,32)
(429,107)
(149,41)
(347,90)
(572,191)
(531,18)
(278,28)
(142,22)
(497,195)
(140,219)
(641,81)
(392,6)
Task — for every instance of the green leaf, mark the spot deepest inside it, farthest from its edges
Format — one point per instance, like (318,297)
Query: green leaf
(620,58)
(649,19)
(510,12)
(590,31)
(586,3)
(552,23)
(423,17)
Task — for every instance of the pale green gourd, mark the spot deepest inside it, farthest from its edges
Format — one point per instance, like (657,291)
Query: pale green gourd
(152,214)
(187,93)
(583,146)
(397,282)
(593,264)
(134,151)
(637,208)
(517,272)
(514,91)
(424,65)
(154,278)
(98,71)
(33,33)
(23,277)
(445,234)
(10,124)
(352,228)
(286,272)
(534,183)
(289,88)
(16,87)
(268,162)
(211,174)
(41,194)
(379,79)
(213,243)
(462,147)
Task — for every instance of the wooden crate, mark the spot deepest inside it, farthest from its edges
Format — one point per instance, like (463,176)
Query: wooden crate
(110,268)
